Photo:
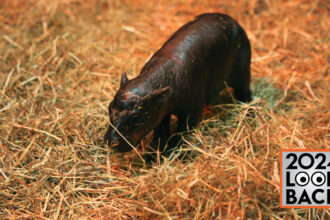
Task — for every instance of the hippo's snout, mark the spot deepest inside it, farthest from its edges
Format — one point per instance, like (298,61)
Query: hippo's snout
(116,143)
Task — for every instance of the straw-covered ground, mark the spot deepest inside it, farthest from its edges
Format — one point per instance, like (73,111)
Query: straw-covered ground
(60,64)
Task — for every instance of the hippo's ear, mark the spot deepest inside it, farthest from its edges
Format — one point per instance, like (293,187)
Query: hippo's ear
(159,96)
(123,79)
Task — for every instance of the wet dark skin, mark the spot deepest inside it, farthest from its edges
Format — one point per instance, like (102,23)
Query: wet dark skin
(188,71)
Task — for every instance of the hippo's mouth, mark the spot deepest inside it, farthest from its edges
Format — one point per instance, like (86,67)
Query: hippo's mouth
(121,146)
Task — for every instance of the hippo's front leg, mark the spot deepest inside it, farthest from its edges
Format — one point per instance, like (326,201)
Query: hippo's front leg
(161,134)
(186,121)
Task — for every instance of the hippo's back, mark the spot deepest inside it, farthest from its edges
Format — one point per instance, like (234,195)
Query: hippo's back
(198,58)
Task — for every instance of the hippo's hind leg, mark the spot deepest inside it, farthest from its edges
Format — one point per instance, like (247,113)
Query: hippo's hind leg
(240,77)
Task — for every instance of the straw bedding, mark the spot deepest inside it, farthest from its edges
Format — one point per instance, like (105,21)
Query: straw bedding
(60,66)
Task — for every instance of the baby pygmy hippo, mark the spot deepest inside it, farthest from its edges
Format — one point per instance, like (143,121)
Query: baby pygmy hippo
(189,70)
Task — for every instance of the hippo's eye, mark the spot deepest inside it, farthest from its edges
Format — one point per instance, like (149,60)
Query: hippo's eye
(135,120)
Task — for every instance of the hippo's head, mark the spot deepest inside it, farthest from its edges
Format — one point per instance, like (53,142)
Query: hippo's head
(133,116)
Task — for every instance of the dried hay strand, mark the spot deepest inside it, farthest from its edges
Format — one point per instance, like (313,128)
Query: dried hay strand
(60,66)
